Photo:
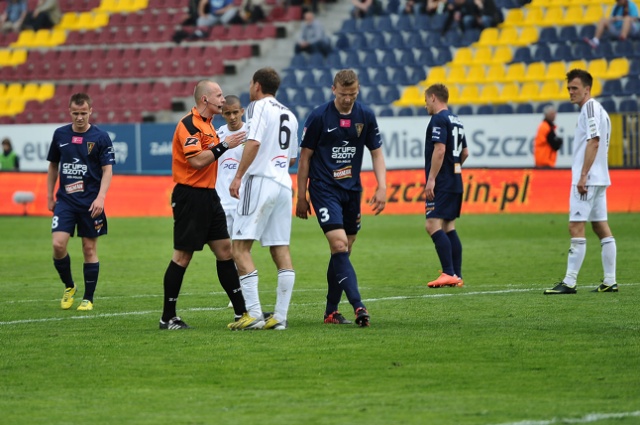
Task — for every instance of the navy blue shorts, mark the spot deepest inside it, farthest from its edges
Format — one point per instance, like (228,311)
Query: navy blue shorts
(198,217)
(445,205)
(335,208)
(66,218)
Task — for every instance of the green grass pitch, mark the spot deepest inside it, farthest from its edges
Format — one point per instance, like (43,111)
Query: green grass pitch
(496,351)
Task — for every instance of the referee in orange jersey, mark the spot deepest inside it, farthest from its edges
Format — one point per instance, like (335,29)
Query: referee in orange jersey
(198,216)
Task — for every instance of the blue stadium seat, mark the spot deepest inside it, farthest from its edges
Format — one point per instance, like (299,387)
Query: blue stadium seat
(548,35)
(504,109)
(632,86)
(407,58)
(605,50)
(634,67)
(334,60)
(367,24)
(612,88)
(541,106)
(406,112)
(628,105)
(452,38)
(443,56)
(386,112)
(385,24)
(325,79)
(392,6)
(299,98)
(418,73)
(469,37)
(542,53)
(352,60)
(342,41)
(299,61)
(422,111)
(370,59)
(349,25)
(433,23)
(358,41)
(316,61)
(405,22)
(317,97)
(400,77)
(363,77)
(381,77)
(426,58)
(562,52)
(584,51)
(392,94)
(522,54)
(373,96)
(524,108)
(465,110)
(432,39)
(608,104)
(567,107)
(245,98)
(485,110)
(282,95)
(623,49)
(587,31)
(308,79)
(289,80)
(395,41)
(569,34)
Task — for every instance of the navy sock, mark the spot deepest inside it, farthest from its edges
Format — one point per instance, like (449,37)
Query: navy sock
(63,266)
(443,248)
(456,252)
(172,284)
(334,291)
(91,271)
(228,276)
(346,277)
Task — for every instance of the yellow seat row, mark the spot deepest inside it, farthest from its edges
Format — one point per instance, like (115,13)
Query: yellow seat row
(41,38)
(482,55)
(73,21)
(12,57)
(508,36)
(28,91)
(551,15)
(121,6)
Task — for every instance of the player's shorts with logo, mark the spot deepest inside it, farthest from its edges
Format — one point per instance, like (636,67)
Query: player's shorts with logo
(198,217)
(335,208)
(67,217)
(592,206)
(445,205)
(264,212)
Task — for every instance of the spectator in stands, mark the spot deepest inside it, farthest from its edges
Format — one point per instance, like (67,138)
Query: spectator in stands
(413,7)
(13,16)
(192,16)
(214,12)
(46,15)
(250,12)
(435,7)
(9,160)
(546,144)
(473,14)
(365,8)
(622,23)
(312,37)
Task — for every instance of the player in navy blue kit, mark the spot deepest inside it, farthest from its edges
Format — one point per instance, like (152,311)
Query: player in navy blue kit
(333,143)
(445,152)
(82,156)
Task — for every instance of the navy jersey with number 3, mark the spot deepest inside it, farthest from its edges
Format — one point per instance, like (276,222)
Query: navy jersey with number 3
(446,128)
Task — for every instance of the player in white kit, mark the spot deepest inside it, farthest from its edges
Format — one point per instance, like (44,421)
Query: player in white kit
(589,182)
(263,186)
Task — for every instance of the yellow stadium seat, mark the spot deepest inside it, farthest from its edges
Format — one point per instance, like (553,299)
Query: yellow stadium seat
(25,39)
(507,36)
(553,16)
(501,55)
(14,90)
(618,67)
(482,55)
(556,71)
(30,91)
(490,93)
(411,96)
(574,15)
(577,64)
(514,17)
(68,21)
(529,92)
(475,74)
(3,88)
(457,74)
(454,94)
(495,73)
(16,106)
(528,36)
(534,16)
(541,3)
(509,93)
(46,91)
(598,68)
(463,56)
(58,37)
(5,57)
(596,89)
(515,73)
(594,13)
(552,90)
(470,93)
(18,56)
(488,37)
(535,72)
(436,74)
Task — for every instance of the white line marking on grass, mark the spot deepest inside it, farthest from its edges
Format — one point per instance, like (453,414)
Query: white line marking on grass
(586,419)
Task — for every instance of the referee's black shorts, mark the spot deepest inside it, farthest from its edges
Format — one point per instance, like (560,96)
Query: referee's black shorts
(198,217)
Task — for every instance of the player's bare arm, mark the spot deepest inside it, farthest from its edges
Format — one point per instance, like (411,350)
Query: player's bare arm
(303,208)
(436,163)
(248,156)
(589,157)
(52,178)
(97,206)
(379,199)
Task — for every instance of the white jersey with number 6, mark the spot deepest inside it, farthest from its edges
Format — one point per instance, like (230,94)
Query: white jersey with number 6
(275,127)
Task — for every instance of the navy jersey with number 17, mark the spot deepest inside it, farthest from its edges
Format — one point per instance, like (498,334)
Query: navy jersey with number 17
(446,128)
(338,143)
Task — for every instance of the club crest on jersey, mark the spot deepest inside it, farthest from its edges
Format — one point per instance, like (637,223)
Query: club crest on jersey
(343,173)
(359,127)
(76,140)
(90,146)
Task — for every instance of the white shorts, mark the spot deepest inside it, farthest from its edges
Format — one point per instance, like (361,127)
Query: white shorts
(230,216)
(264,212)
(589,207)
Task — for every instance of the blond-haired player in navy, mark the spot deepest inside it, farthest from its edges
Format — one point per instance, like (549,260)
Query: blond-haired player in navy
(333,144)
(82,156)
(445,152)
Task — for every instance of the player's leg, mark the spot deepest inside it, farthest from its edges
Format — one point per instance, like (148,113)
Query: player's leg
(601,228)
(90,229)
(456,249)
(436,212)
(63,226)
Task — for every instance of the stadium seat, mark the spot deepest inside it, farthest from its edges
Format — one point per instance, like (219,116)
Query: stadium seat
(569,34)
(628,105)
(470,93)
(495,73)
(598,68)
(528,35)
(553,16)
(562,52)
(391,95)
(485,110)
(522,54)
(501,55)
(514,17)
(406,112)
(386,112)
(475,74)
(488,37)
(515,72)
(632,86)
(529,92)
(524,108)
(437,74)
(457,74)
(411,95)
(556,71)
(534,16)
(542,53)
(548,35)
(504,109)
(552,90)
(463,56)
(490,93)
(482,55)
(612,88)
(401,77)
(465,110)
(609,105)
(372,96)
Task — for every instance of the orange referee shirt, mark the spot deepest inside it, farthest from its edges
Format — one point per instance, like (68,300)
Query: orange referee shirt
(194,134)
(543,153)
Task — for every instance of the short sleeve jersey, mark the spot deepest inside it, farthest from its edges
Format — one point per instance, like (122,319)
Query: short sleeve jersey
(81,157)
(593,122)
(445,127)
(193,135)
(338,142)
(227,167)
(275,127)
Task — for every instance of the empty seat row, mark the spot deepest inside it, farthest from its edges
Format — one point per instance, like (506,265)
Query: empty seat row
(555,15)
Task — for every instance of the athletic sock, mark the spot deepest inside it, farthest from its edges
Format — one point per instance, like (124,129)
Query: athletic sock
(172,284)
(63,266)
(249,283)
(286,280)
(228,276)
(334,291)
(456,252)
(575,258)
(91,272)
(346,278)
(443,248)
(609,259)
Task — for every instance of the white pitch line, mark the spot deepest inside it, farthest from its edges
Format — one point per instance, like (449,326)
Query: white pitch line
(586,419)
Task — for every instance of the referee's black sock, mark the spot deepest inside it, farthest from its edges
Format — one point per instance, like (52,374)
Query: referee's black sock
(228,276)
(172,284)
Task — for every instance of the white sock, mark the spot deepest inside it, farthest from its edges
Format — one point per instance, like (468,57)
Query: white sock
(286,279)
(577,252)
(595,41)
(249,284)
(609,260)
